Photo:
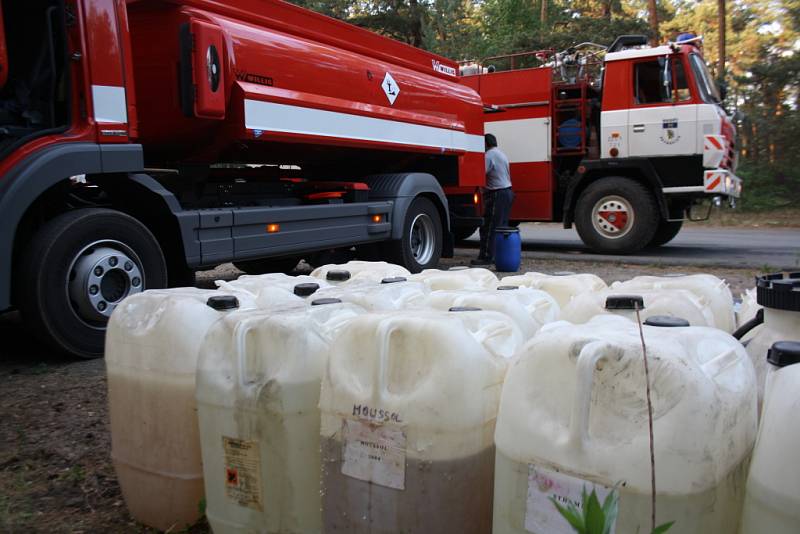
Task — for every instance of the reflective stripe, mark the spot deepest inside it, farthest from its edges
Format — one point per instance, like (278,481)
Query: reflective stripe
(109,104)
(684,189)
(272,117)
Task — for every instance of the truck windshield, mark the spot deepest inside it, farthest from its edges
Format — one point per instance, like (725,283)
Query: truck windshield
(708,89)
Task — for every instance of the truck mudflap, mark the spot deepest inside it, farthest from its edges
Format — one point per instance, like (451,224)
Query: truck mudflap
(722,182)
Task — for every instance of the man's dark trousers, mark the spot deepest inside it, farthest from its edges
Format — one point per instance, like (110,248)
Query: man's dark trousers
(497,209)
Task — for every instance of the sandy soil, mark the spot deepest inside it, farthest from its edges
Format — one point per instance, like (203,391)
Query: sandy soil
(55,470)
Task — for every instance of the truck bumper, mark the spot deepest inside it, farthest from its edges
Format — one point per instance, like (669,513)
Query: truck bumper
(722,182)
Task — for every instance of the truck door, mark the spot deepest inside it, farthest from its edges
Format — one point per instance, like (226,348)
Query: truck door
(662,118)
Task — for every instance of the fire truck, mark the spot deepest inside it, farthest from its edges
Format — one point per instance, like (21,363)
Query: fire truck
(142,140)
(623,142)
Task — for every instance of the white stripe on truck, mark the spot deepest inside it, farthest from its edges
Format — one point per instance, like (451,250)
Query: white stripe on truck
(283,118)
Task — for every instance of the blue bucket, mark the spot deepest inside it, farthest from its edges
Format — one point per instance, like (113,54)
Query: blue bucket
(507,249)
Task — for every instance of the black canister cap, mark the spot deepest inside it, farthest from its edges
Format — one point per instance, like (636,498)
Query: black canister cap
(464,309)
(394,279)
(507,288)
(666,321)
(326,300)
(337,275)
(779,291)
(223,302)
(783,353)
(306,289)
(625,302)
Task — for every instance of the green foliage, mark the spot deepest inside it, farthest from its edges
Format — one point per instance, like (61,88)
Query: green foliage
(594,518)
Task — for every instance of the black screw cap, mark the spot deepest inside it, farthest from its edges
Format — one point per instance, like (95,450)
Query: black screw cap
(394,280)
(306,289)
(783,353)
(323,301)
(666,321)
(624,302)
(223,302)
(338,275)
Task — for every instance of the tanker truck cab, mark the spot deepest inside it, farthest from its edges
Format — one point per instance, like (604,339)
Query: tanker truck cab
(661,103)
(625,142)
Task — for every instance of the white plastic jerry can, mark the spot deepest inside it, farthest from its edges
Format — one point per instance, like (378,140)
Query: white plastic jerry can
(561,286)
(408,405)
(709,290)
(256,283)
(574,415)
(650,302)
(780,296)
(393,293)
(470,278)
(530,309)
(258,384)
(373,271)
(772,502)
(152,345)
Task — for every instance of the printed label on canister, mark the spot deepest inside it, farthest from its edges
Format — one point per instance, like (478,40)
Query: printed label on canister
(544,485)
(242,472)
(374,453)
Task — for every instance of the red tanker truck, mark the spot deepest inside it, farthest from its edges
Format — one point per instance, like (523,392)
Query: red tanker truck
(625,142)
(142,140)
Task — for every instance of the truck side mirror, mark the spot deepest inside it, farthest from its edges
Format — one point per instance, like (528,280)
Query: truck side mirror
(666,78)
(723,89)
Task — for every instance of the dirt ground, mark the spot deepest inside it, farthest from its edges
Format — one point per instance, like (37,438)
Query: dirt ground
(55,470)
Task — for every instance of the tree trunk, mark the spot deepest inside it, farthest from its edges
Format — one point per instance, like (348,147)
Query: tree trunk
(543,13)
(721,25)
(653,17)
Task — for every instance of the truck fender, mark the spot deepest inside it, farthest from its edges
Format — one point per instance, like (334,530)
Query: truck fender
(37,173)
(588,171)
(402,189)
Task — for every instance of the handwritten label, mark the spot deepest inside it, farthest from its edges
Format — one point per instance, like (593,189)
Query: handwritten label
(376,414)
(374,453)
(242,472)
(541,515)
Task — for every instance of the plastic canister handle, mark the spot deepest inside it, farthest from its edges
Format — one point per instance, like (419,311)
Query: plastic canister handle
(590,354)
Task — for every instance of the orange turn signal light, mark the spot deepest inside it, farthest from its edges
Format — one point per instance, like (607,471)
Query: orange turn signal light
(272,228)
(475,198)
(377,218)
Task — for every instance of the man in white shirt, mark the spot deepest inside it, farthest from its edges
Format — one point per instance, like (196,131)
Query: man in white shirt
(497,199)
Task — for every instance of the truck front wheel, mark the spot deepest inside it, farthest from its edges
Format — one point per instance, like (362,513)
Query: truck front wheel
(77,268)
(666,232)
(616,216)
(420,246)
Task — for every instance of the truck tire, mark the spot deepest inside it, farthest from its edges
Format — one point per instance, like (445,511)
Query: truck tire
(421,244)
(461,233)
(268,265)
(77,268)
(616,215)
(666,232)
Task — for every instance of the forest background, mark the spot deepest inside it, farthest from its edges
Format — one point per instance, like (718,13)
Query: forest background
(761,43)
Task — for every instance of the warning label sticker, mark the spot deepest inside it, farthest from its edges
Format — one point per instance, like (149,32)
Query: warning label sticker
(544,486)
(242,472)
(374,453)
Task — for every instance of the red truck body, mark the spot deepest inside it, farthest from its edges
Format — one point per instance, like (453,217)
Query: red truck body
(251,131)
